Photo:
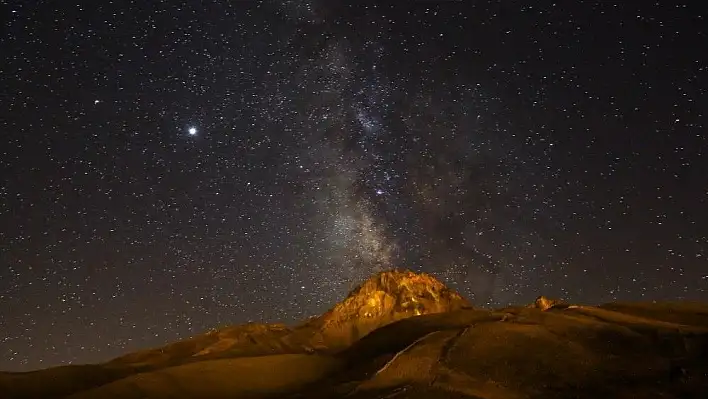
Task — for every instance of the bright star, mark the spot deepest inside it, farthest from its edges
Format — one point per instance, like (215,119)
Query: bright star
(192,131)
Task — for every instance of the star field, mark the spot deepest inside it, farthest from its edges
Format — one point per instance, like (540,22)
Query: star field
(169,167)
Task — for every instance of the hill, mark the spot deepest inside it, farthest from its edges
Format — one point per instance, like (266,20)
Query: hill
(405,335)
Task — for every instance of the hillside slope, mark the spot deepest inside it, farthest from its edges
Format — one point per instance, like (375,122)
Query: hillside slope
(380,300)
(577,351)
(403,335)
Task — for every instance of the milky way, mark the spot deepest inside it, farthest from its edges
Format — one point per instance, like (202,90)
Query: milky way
(172,167)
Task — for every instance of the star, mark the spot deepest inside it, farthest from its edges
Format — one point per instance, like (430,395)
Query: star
(354,148)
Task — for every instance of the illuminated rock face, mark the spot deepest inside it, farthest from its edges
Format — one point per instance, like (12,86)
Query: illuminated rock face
(545,303)
(383,299)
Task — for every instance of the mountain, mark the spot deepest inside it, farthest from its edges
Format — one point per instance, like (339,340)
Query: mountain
(405,335)
(380,300)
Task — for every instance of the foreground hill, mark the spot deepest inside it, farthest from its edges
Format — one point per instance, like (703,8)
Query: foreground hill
(404,335)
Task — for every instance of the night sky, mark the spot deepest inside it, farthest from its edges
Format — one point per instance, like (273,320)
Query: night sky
(172,166)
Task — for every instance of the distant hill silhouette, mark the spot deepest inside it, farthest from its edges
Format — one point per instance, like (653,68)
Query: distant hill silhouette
(405,335)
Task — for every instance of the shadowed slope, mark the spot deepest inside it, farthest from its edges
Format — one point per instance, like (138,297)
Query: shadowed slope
(224,378)
(584,352)
(688,313)
(246,340)
(58,382)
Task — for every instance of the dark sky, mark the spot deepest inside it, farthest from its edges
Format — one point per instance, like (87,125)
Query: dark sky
(172,166)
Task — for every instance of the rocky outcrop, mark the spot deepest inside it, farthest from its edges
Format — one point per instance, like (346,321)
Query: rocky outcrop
(383,299)
(545,303)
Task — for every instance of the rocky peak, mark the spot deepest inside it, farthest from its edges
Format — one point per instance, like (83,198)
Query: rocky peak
(382,299)
(399,292)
